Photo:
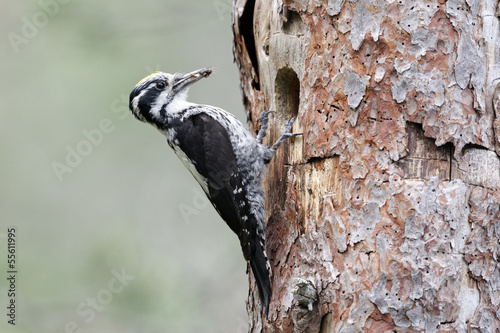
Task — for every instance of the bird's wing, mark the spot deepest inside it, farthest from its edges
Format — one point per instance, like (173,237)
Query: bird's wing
(206,144)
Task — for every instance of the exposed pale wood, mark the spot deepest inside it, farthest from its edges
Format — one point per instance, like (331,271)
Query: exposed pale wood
(424,159)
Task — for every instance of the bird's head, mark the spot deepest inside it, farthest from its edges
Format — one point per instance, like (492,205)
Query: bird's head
(159,93)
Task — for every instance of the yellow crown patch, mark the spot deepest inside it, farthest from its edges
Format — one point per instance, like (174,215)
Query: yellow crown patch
(147,77)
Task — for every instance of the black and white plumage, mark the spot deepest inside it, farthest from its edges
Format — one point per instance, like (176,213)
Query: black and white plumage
(222,155)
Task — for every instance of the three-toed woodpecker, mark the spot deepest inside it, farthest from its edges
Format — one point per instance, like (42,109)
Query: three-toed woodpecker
(222,155)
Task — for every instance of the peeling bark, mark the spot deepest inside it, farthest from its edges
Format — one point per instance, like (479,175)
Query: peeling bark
(385,214)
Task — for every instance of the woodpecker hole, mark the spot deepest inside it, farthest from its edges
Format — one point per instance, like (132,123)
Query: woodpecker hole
(287,87)
(292,22)
(287,90)
(247,32)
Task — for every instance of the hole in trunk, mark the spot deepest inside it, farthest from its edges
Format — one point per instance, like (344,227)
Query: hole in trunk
(287,93)
(292,23)
(246,31)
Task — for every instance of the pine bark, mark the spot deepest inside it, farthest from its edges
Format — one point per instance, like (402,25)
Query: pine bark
(385,214)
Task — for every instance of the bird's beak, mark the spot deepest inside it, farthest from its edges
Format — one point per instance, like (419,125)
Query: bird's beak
(183,81)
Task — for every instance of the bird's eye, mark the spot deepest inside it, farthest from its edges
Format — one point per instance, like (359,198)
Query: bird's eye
(160,85)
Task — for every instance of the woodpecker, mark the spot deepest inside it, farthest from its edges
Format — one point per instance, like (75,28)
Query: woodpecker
(221,154)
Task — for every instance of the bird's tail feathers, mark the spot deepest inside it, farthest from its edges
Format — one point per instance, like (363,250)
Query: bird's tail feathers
(258,262)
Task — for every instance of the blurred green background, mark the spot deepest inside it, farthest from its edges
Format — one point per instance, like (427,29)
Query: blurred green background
(125,205)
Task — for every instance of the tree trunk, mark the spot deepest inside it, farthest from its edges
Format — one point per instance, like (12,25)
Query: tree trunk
(384,215)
